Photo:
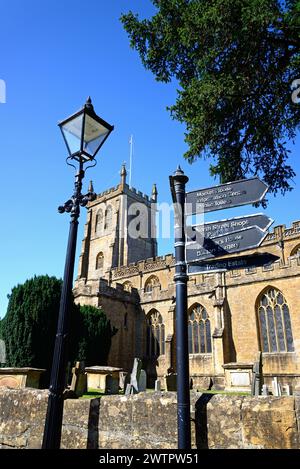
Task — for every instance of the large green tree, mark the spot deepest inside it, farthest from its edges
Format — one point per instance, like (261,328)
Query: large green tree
(29,327)
(234,61)
(94,336)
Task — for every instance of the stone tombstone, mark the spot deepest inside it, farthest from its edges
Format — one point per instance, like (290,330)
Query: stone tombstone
(286,390)
(157,385)
(133,386)
(265,390)
(276,388)
(111,385)
(135,375)
(79,379)
(123,380)
(171,380)
(257,376)
(2,352)
(142,381)
(128,389)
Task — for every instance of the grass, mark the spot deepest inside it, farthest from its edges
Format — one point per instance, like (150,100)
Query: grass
(232,393)
(94,393)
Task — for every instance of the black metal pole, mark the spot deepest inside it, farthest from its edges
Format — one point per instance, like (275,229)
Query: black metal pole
(54,416)
(182,354)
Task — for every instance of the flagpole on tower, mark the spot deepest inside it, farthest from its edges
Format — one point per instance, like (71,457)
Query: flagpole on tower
(130,158)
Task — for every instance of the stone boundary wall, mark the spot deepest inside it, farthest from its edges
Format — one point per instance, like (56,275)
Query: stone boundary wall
(149,420)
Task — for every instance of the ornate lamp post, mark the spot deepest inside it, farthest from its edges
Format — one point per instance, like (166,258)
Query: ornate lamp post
(84,133)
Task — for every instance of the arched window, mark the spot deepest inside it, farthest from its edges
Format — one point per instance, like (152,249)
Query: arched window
(99,221)
(99,261)
(296,251)
(274,322)
(199,330)
(150,283)
(155,335)
(127,286)
(108,218)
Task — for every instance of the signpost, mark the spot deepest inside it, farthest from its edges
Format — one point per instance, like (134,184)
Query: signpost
(232,194)
(198,255)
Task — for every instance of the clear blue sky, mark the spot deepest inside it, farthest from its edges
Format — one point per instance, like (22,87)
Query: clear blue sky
(53,54)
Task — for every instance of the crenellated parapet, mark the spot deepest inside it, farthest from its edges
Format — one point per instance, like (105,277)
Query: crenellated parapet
(148,265)
(118,292)
(281,231)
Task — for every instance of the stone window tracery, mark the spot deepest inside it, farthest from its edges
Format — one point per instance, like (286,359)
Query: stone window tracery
(150,283)
(108,218)
(127,286)
(296,251)
(155,335)
(199,333)
(99,221)
(274,322)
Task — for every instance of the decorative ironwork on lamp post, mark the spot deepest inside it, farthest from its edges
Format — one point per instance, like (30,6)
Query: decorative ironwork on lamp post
(84,133)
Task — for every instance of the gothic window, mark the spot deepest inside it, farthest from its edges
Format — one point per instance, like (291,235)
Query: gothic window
(99,261)
(99,221)
(150,283)
(127,286)
(108,218)
(296,251)
(274,322)
(155,335)
(199,330)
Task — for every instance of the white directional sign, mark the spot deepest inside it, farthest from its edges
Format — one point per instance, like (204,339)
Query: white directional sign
(232,194)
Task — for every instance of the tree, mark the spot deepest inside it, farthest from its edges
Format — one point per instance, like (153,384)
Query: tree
(94,336)
(30,325)
(235,61)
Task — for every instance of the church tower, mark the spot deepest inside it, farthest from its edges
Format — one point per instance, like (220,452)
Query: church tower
(120,229)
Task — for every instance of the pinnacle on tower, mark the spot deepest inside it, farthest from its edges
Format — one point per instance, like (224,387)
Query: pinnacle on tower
(154,193)
(91,187)
(123,174)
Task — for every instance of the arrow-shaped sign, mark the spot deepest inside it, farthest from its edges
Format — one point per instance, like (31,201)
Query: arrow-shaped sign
(232,194)
(247,238)
(231,225)
(234,263)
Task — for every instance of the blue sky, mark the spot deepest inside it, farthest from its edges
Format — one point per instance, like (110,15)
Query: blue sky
(53,54)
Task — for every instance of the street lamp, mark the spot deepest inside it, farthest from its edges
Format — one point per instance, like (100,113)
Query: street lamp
(84,133)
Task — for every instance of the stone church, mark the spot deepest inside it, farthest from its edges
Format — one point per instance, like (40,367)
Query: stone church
(232,315)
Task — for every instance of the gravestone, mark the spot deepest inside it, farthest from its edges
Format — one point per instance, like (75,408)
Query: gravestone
(123,380)
(2,352)
(257,376)
(171,380)
(133,386)
(111,384)
(265,390)
(79,379)
(276,388)
(286,391)
(157,385)
(142,381)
